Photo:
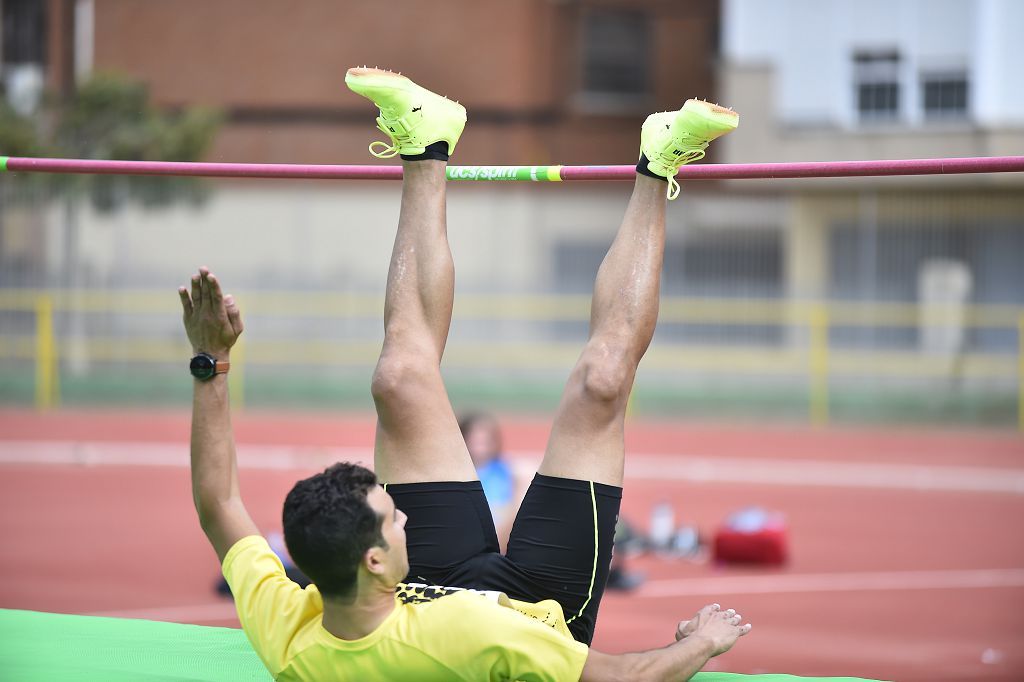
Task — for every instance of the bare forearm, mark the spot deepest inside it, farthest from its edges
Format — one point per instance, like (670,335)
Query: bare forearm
(214,471)
(674,663)
(214,468)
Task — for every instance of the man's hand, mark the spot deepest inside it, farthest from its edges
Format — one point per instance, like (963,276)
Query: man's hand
(212,320)
(720,628)
(686,627)
(710,633)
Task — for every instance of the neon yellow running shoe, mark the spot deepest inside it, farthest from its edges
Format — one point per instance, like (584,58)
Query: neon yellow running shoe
(671,138)
(412,116)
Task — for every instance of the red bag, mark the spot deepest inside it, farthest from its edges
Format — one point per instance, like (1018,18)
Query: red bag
(766,542)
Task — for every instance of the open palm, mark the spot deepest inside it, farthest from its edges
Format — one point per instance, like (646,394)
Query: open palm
(212,320)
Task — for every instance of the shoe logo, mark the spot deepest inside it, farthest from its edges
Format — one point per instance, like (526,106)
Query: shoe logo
(391,129)
(417,109)
(677,152)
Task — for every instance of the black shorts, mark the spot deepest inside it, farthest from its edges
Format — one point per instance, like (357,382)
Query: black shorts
(560,546)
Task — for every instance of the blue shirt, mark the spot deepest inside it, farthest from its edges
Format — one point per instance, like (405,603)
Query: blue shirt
(498,481)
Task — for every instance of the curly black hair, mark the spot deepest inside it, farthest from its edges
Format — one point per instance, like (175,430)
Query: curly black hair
(329,525)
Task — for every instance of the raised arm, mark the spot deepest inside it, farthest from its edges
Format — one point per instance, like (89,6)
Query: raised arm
(710,633)
(213,323)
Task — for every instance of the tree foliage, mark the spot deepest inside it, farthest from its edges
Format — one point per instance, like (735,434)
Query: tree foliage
(111,117)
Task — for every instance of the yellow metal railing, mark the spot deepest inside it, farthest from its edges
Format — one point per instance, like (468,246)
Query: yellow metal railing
(816,358)
(818,353)
(1020,374)
(47,376)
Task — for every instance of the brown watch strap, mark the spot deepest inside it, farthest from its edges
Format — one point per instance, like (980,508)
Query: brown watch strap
(221,367)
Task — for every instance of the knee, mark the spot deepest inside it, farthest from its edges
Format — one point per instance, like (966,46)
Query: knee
(606,372)
(397,375)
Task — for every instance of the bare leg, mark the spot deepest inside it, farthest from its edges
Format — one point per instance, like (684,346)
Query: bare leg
(587,436)
(418,437)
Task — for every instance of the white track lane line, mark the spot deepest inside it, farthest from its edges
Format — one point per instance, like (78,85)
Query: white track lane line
(639,467)
(782,583)
(791,583)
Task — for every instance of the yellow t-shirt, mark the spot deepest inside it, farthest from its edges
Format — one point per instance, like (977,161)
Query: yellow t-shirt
(432,634)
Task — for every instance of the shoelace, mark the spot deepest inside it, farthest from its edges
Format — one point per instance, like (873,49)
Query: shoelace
(673,187)
(388,151)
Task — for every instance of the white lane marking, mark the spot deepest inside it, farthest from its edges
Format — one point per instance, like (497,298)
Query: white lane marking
(639,467)
(788,583)
(782,583)
(93,453)
(826,473)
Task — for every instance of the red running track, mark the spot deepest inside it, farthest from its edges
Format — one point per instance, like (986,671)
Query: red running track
(905,579)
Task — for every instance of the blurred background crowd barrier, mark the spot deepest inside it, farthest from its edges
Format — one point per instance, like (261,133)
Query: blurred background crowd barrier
(917,321)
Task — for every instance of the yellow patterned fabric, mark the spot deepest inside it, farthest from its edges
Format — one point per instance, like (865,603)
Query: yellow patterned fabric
(549,612)
(434,633)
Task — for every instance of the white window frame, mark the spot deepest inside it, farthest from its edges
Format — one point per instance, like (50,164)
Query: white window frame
(947,75)
(887,70)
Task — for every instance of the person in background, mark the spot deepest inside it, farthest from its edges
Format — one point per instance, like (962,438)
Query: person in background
(505,484)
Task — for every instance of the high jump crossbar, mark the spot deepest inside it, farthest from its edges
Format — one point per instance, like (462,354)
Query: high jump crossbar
(720,171)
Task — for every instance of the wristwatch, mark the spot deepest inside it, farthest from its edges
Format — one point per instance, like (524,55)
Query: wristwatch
(204,367)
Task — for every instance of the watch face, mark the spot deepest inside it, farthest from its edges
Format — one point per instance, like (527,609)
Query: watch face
(202,366)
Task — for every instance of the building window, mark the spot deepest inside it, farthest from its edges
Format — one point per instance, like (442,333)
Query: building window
(24,31)
(945,94)
(877,80)
(711,264)
(615,58)
(726,263)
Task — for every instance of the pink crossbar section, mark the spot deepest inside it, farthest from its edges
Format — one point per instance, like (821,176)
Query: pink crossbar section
(724,171)
(813,169)
(210,170)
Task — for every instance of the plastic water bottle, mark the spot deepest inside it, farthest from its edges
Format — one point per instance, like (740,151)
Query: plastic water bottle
(663,525)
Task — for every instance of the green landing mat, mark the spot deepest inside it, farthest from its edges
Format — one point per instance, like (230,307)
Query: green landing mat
(51,646)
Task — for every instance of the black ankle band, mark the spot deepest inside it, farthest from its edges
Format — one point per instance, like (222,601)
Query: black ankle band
(436,151)
(641,168)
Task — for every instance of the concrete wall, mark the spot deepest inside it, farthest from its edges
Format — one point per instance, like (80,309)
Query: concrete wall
(310,235)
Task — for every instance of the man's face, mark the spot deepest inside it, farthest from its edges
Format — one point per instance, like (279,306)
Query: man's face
(395,557)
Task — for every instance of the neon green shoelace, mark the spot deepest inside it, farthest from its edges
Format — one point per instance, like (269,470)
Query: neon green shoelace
(673,187)
(387,150)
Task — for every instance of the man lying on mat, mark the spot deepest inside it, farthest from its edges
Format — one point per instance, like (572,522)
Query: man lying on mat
(376,553)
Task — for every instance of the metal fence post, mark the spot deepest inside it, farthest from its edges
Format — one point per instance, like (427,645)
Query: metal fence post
(818,322)
(47,383)
(1020,374)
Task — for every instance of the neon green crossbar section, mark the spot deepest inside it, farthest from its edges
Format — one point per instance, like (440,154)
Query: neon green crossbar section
(51,646)
(3,163)
(513,173)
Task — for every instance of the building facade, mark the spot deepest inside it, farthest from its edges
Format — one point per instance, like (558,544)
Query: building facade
(875,80)
(545,81)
